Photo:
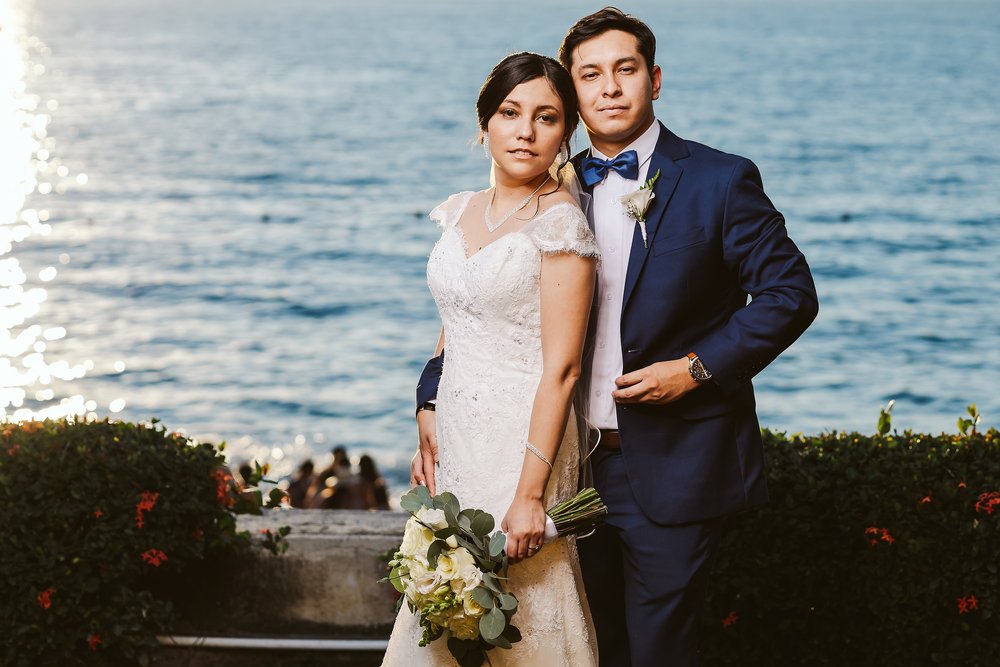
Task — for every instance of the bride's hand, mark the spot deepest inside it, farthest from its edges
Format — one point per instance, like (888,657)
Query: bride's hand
(422,464)
(524,525)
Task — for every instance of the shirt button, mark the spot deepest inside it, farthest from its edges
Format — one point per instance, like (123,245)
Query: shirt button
(609,297)
(612,249)
(597,393)
(602,345)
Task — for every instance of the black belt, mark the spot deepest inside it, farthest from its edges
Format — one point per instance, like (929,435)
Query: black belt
(610,439)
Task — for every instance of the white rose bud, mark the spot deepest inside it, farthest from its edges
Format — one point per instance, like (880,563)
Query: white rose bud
(432,518)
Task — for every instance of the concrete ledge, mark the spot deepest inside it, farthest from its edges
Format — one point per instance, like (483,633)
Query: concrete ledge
(290,606)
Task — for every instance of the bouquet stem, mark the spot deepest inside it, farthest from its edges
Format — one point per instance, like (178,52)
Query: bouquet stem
(580,514)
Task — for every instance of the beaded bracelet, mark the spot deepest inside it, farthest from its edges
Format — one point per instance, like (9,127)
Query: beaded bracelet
(534,450)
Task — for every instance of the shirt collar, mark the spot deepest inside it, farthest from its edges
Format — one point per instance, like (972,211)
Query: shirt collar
(644,144)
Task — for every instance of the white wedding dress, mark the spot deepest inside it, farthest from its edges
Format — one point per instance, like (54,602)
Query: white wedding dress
(490,306)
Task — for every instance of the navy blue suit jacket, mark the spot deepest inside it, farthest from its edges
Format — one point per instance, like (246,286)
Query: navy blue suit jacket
(714,239)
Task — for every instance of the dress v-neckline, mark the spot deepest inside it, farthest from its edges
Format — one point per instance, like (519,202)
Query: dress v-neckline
(464,242)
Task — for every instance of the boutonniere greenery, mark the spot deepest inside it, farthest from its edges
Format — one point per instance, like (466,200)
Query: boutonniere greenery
(637,204)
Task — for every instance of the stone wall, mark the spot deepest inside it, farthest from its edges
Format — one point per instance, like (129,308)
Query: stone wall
(324,588)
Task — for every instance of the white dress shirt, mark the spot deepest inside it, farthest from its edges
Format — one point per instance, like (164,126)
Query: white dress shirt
(613,229)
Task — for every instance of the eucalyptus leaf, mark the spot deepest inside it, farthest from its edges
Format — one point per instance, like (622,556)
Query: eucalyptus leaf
(497,543)
(491,582)
(424,496)
(492,624)
(458,647)
(448,500)
(508,602)
(483,597)
(396,580)
(512,634)
(410,502)
(435,550)
(474,658)
(445,533)
(482,524)
(500,642)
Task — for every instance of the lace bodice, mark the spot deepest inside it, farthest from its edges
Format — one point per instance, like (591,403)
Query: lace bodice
(490,305)
(489,302)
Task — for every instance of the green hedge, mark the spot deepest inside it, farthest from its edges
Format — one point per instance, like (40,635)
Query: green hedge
(99,520)
(875,550)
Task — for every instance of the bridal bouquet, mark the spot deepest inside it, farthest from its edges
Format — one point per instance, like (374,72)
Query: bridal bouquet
(451,566)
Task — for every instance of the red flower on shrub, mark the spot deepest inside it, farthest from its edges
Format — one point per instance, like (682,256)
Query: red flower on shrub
(98,513)
(45,598)
(925,500)
(13,450)
(967,604)
(730,620)
(93,641)
(147,501)
(962,485)
(987,501)
(223,483)
(154,557)
(877,534)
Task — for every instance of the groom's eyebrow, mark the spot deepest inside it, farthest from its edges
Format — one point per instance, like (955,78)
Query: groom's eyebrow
(627,60)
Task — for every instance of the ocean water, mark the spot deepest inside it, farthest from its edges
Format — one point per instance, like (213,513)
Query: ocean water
(214,213)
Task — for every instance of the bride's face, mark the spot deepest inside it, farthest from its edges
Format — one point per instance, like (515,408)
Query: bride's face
(527,130)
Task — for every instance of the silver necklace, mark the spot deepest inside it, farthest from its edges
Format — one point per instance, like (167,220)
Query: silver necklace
(493,226)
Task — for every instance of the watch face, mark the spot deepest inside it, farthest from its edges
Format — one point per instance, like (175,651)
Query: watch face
(698,370)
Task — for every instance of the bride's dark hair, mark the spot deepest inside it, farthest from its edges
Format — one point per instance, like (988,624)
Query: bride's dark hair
(518,68)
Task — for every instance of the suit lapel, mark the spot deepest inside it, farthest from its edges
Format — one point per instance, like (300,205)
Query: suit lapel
(669,147)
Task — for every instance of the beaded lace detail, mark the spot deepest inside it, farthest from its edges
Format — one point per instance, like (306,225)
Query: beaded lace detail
(490,306)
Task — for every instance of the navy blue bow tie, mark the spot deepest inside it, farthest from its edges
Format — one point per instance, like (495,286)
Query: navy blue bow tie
(595,169)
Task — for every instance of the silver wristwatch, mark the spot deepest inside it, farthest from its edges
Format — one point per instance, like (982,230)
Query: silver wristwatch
(697,369)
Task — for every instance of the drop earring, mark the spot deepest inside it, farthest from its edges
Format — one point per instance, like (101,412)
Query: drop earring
(486,145)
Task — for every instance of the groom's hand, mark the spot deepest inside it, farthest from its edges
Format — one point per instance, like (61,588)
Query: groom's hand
(659,383)
(422,464)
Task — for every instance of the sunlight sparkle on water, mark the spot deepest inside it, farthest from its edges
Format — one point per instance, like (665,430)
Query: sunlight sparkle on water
(28,165)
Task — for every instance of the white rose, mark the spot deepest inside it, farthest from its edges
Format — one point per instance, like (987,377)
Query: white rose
(416,539)
(468,571)
(464,626)
(432,518)
(425,581)
(411,592)
(470,606)
(447,567)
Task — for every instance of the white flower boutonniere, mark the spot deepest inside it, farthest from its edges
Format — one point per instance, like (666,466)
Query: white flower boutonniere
(637,203)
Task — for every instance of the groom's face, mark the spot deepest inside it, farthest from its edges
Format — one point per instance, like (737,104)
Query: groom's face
(616,87)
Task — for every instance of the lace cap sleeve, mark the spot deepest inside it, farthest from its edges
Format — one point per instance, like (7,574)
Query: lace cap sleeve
(564,228)
(447,213)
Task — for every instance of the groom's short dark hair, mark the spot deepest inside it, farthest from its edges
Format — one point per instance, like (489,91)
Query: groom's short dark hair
(598,23)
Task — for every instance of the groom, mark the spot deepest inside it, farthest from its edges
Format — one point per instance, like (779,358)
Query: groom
(673,344)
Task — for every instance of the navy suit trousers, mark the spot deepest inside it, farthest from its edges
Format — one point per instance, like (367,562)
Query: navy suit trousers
(644,581)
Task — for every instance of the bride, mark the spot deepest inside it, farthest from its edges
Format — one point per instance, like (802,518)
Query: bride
(513,278)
